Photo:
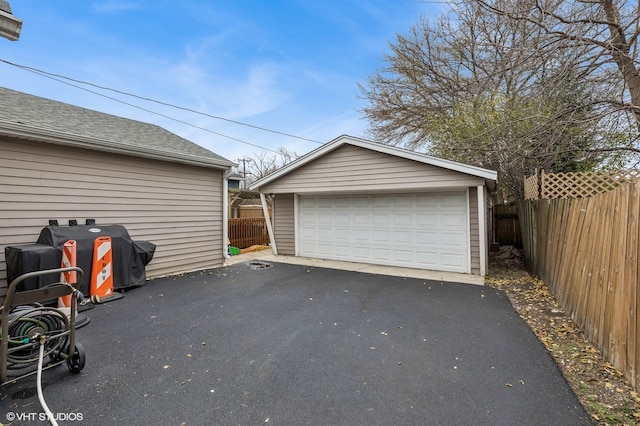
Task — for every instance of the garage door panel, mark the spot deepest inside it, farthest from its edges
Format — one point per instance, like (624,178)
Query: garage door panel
(308,219)
(402,219)
(361,253)
(381,219)
(452,239)
(382,202)
(380,253)
(325,249)
(426,219)
(343,236)
(403,201)
(402,237)
(380,235)
(420,230)
(426,257)
(324,218)
(453,200)
(450,259)
(360,202)
(452,220)
(427,238)
(342,219)
(341,203)
(324,203)
(325,233)
(361,235)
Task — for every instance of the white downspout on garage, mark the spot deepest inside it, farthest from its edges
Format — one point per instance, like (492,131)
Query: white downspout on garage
(483,230)
(225,214)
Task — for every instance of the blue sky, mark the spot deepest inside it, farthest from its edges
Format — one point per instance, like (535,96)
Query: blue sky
(287,65)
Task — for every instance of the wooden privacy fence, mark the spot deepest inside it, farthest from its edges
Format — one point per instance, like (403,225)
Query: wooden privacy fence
(506,225)
(246,232)
(586,251)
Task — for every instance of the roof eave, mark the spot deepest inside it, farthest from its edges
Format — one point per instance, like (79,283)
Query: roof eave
(22,131)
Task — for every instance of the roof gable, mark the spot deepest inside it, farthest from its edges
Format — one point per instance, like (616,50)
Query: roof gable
(45,120)
(489,176)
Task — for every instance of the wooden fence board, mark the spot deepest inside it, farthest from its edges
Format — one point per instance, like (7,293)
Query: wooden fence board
(247,232)
(586,250)
(631,291)
(616,310)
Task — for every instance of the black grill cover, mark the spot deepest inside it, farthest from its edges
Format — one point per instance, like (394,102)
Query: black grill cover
(128,257)
(30,258)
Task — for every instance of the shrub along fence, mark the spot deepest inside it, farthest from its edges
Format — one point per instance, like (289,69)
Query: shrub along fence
(246,232)
(585,248)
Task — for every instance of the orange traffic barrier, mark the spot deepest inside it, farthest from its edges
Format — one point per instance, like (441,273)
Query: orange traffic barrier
(69,277)
(101,272)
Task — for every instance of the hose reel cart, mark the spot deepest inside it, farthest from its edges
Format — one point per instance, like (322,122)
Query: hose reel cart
(31,332)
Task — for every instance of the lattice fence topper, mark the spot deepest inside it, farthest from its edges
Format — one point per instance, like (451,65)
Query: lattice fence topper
(575,184)
(531,187)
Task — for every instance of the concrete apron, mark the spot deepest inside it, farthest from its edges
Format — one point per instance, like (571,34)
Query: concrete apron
(396,271)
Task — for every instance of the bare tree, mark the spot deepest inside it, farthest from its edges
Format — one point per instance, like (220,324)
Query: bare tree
(263,163)
(493,90)
(603,34)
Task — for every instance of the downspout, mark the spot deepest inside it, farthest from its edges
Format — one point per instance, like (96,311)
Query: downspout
(225,214)
(265,210)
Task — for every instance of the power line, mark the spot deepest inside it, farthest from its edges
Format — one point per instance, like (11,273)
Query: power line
(61,79)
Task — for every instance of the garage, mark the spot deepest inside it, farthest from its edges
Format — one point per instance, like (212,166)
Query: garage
(362,201)
(426,231)
(70,164)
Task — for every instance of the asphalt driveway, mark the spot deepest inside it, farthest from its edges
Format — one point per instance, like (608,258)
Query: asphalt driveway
(296,345)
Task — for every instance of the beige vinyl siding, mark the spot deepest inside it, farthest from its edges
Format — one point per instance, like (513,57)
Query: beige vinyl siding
(284,224)
(177,207)
(353,169)
(474,230)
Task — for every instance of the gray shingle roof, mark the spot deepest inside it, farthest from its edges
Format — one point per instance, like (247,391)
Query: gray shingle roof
(35,118)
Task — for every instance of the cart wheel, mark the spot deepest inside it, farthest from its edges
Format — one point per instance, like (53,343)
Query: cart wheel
(55,357)
(77,360)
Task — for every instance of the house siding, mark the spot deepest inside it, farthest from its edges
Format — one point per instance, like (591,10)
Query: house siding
(474,230)
(354,169)
(175,206)
(284,224)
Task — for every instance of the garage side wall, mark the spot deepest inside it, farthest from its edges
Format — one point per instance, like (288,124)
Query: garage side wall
(177,207)
(284,224)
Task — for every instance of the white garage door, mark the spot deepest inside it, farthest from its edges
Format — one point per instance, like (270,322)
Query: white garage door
(428,231)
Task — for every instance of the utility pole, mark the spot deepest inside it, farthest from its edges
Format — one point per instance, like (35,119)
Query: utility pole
(244,170)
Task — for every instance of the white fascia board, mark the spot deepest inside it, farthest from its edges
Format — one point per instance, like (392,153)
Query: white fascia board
(61,138)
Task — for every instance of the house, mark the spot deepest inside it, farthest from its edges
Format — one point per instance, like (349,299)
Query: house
(63,162)
(361,201)
(234,180)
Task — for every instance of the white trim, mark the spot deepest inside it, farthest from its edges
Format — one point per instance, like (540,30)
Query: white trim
(374,146)
(468,230)
(482,240)
(225,215)
(265,210)
(296,225)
